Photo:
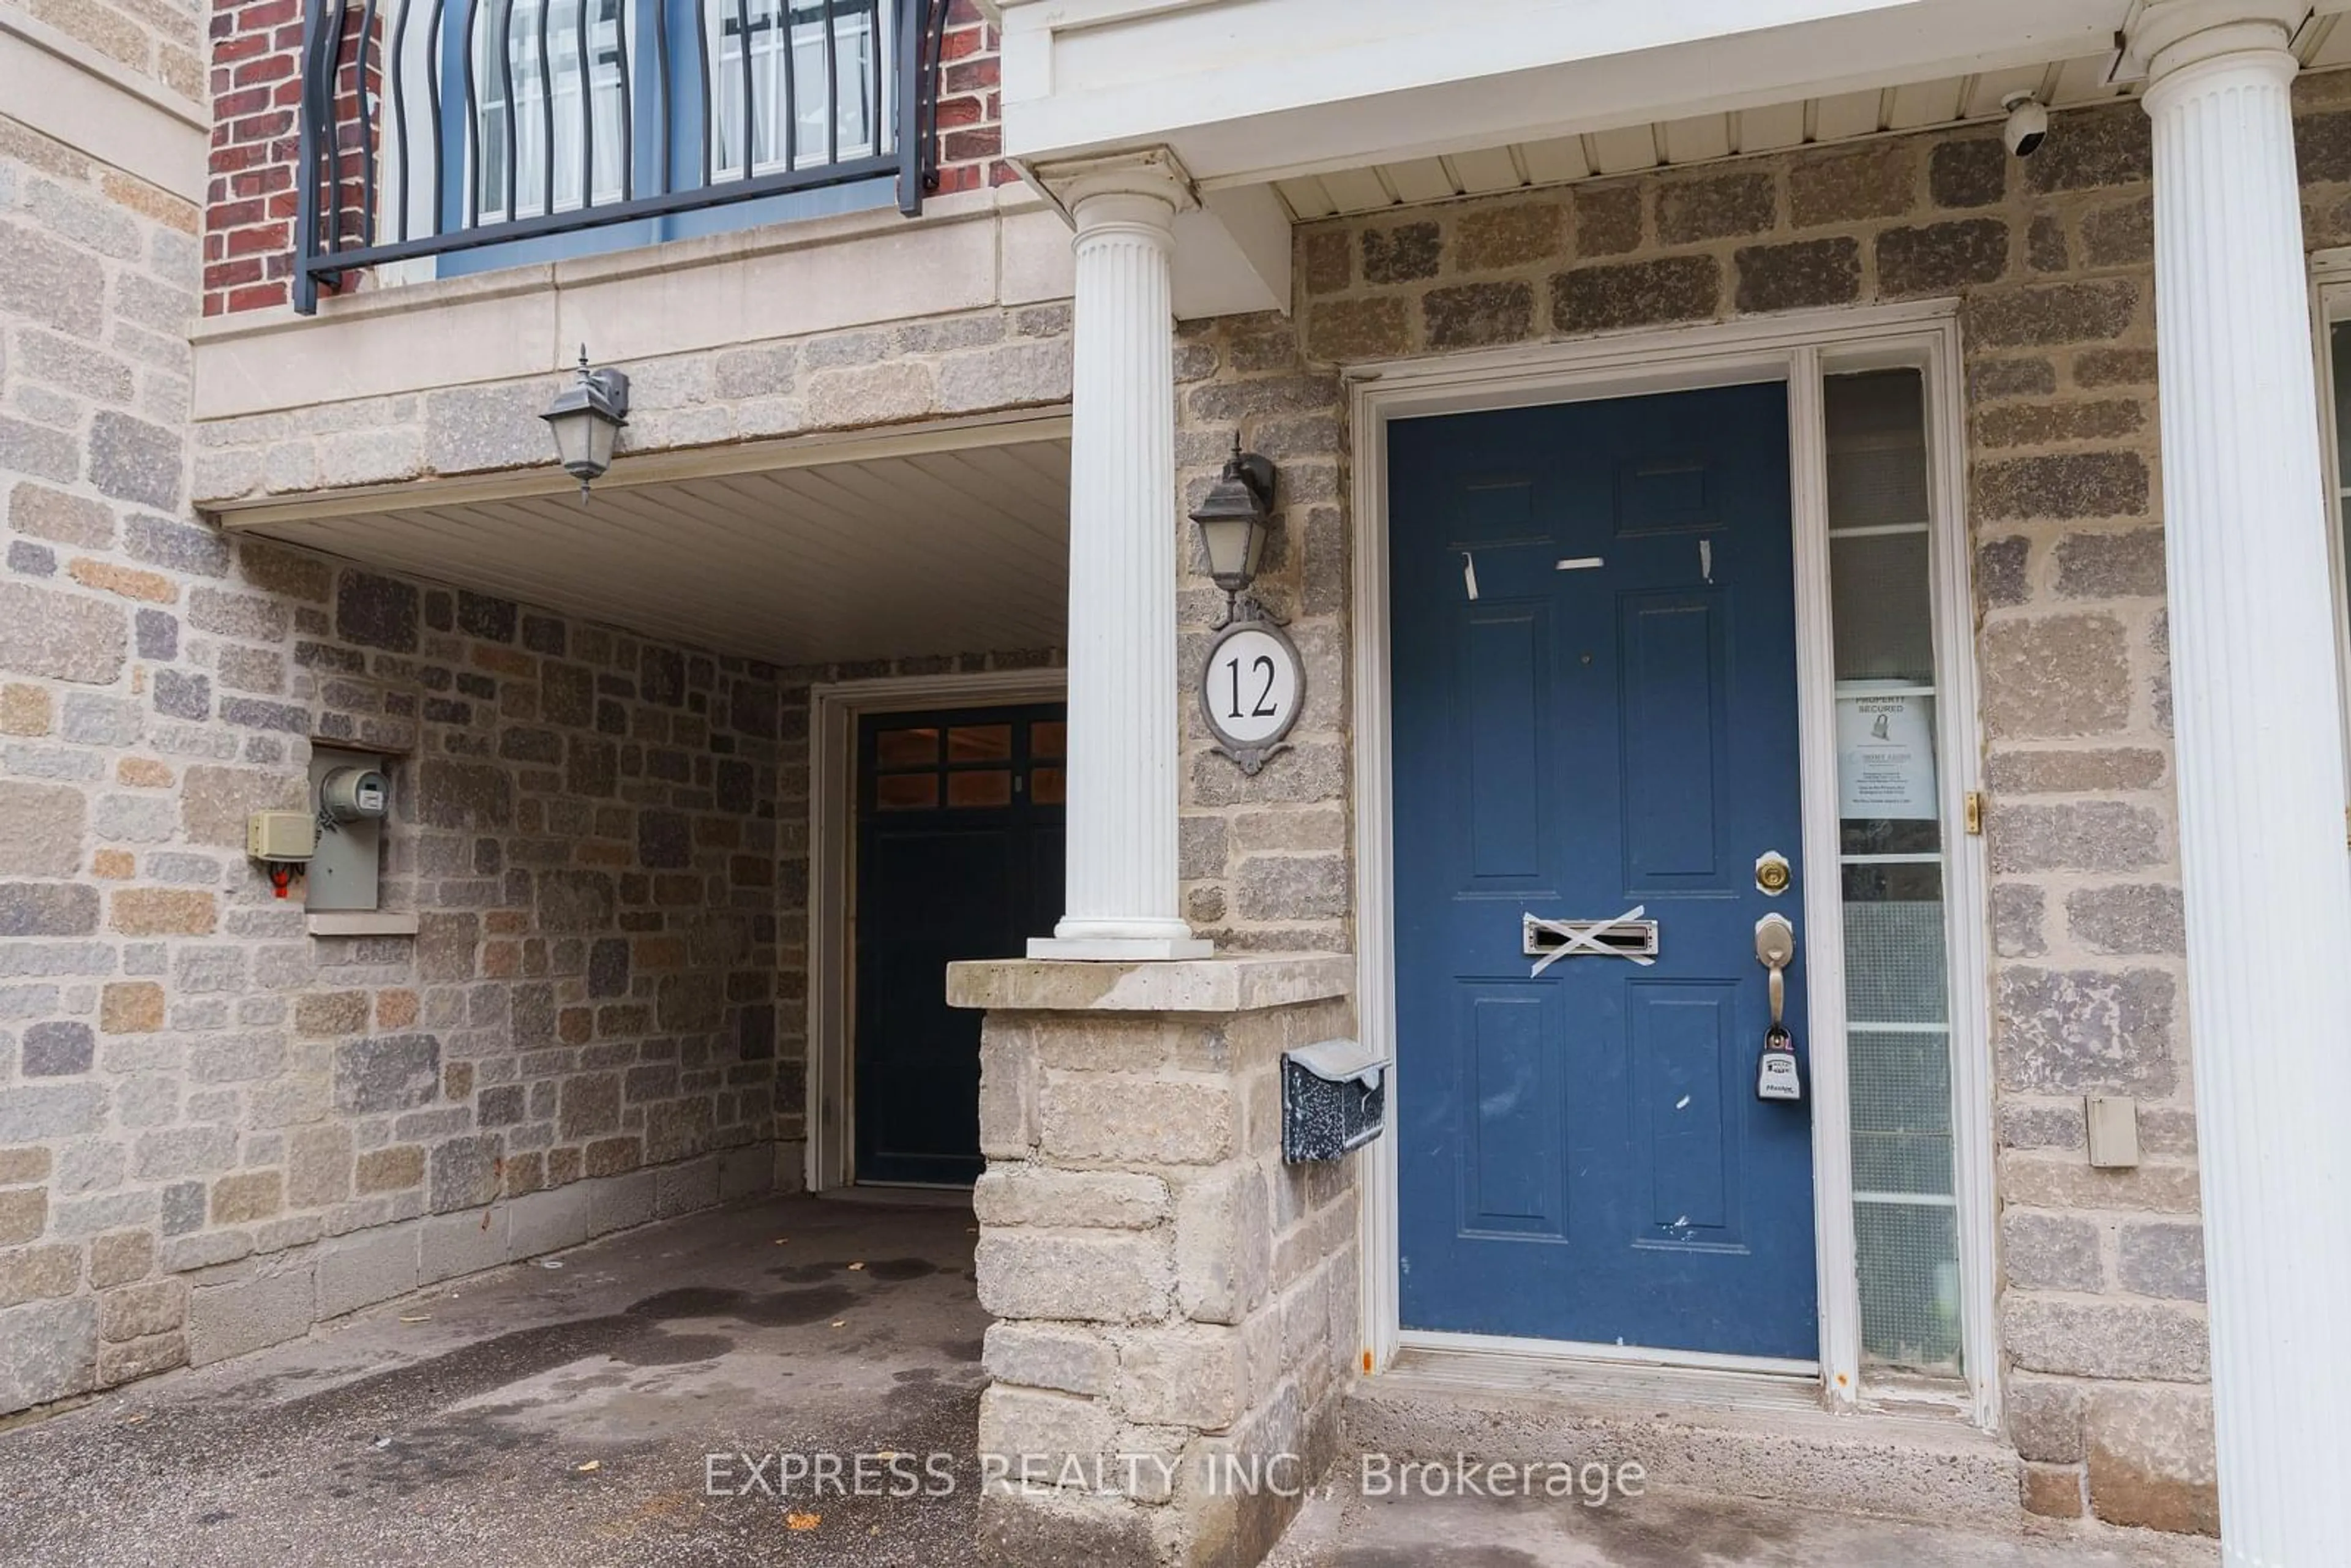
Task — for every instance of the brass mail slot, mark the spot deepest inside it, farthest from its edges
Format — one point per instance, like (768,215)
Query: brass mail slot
(1611,938)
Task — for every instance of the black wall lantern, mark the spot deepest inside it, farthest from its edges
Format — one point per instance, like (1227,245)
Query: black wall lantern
(586,417)
(1235,517)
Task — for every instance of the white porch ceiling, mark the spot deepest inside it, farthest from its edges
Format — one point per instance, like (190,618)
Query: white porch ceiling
(882,556)
(2325,43)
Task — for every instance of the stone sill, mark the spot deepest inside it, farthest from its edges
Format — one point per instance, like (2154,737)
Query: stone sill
(971,251)
(362,923)
(1233,985)
(661,259)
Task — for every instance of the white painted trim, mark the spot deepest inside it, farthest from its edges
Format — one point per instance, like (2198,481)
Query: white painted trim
(2330,305)
(834,708)
(1966,889)
(1571,1352)
(1379,1305)
(1651,358)
(1836,1290)
(1327,86)
(1781,347)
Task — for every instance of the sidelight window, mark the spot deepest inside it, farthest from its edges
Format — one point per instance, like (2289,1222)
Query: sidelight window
(1894,871)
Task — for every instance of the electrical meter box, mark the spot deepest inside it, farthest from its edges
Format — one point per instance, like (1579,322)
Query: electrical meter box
(351,796)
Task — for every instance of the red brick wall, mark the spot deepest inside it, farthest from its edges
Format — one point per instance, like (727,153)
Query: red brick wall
(256,88)
(971,106)
(249,204)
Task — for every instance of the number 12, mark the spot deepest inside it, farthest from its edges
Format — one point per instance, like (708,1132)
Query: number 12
(1263,708)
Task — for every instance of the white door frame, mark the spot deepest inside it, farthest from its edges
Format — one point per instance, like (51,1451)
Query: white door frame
(1794,348)
(2330,307)
(834,708)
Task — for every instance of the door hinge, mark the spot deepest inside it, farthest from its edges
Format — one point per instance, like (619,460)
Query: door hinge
(1973,813)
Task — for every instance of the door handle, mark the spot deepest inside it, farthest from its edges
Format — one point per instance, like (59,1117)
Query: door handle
(1776,1075)
(1775,949)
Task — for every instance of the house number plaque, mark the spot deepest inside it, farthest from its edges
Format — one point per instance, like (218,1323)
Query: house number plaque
(1251,688)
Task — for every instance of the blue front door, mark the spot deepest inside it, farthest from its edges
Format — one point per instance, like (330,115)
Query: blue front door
(1595,709)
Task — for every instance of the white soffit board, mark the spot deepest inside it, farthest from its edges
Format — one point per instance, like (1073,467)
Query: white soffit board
(1634,148)
(2326,43)
(889,557)
(1626,149)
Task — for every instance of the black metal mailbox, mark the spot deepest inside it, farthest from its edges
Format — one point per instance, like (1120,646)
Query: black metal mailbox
(1335,1097)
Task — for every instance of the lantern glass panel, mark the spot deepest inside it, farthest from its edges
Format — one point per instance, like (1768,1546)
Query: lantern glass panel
(1234,545)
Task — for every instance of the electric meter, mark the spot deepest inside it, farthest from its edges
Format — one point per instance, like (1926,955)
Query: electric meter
(355,795)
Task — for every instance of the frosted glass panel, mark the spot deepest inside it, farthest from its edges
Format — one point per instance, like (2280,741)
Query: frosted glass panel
(1909,1285)
(1877,442)
(1898,984)
(1878,593)
(1906,1163)
(1902,1110)
(1875,403)
(1894,964)
(1875,482)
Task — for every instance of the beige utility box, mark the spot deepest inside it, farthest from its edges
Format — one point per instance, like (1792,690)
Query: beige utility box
(282,836)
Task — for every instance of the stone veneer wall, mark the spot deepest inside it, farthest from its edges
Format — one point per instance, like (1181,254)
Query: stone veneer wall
(1162,1284)
(922,368)
(1266,862)
(161,40)
(2101,1316)
(216,1128)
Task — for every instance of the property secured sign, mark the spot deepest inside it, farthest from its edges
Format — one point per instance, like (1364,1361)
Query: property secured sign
(1885,755)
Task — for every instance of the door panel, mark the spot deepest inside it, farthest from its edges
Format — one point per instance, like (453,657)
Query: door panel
(1504,690)
(958,857)
(1512,1084)
(1669,701)
(1686,1072)
(1595,709)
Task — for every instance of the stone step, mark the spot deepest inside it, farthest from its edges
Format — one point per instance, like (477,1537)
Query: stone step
(1730,1434)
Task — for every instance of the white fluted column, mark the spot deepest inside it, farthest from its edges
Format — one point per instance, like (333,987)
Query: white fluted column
(1120,874)
(2258,722)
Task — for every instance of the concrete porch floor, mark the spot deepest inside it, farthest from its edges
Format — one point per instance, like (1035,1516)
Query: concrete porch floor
(1681,1530)
(538,1415)
(453,1427)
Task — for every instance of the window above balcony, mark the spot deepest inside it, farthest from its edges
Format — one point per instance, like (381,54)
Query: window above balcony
(442,136)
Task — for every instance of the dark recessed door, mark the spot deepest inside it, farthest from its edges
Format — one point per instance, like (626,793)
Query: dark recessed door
(959,856)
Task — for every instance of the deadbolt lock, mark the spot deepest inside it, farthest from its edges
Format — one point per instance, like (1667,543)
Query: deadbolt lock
(1772,872)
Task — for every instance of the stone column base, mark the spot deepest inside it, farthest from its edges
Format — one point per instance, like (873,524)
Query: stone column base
(1176,1308)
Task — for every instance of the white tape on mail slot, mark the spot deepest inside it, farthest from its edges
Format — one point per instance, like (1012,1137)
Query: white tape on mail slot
(1627,936)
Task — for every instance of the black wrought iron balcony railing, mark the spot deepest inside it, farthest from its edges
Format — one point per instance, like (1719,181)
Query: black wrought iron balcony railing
(434,127)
